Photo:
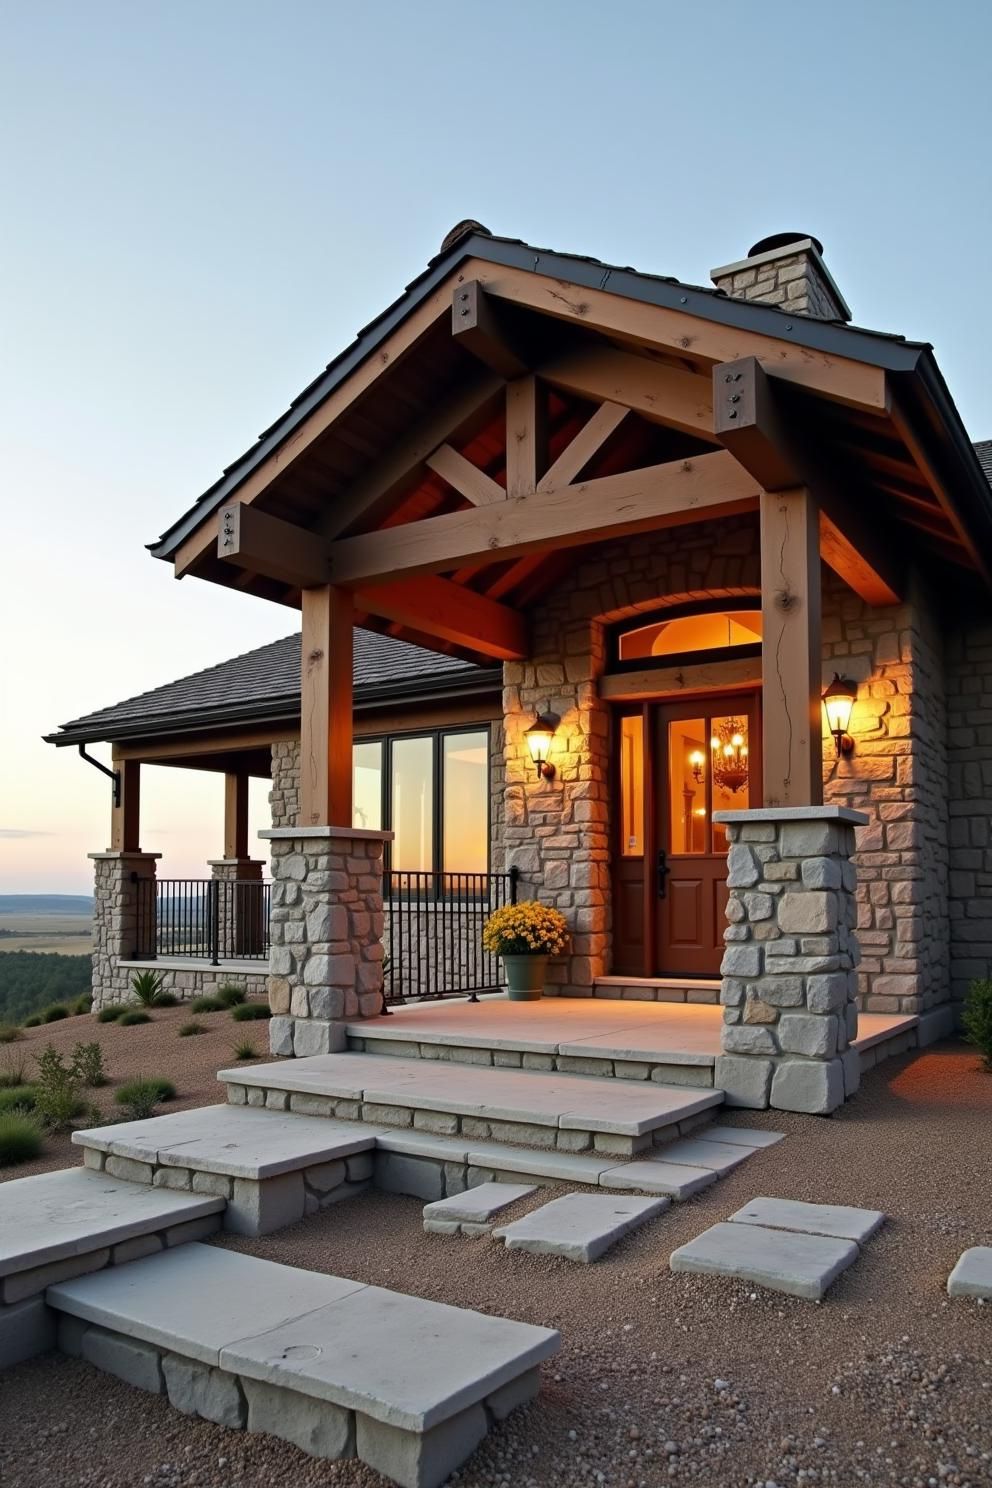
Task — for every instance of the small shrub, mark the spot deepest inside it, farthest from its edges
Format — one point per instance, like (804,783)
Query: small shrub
(13,1071)
(166,999)
(34,1021)
(136,1015)
(9,1033)
(244,1049)
(230,995)
(977,1019)
(83,1004)
(190,1029)
(250,1012)
(147,987)
(140,1097)
(17,1098)
(57,1098)
(88,1060)
(206,1005)
(112,1013)
(20,1138)
(55,1013)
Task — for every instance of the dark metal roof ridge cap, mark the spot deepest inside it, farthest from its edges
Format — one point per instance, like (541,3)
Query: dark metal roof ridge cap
(876,347)
(478,680)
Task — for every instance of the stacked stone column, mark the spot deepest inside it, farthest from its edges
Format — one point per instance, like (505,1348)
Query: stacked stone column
(241,917)
(123,882)
(789,971)
(325,961)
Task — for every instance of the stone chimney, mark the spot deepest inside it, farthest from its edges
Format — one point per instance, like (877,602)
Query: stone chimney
(786,270)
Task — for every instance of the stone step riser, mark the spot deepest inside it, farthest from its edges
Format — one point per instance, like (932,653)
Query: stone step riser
(453,1123)
(692,1076)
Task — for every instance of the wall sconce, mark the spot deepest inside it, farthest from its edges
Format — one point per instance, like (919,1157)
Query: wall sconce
(697,760)
(539,737)
(838,704)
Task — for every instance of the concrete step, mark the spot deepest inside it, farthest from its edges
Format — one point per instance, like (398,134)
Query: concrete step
(333,1366)
(59,1225)
(544,1109)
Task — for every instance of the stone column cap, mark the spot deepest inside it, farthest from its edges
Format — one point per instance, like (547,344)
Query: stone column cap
(141,857)
(794,813)
(360,834)
(230,862)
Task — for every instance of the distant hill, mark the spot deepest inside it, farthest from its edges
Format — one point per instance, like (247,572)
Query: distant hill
(46,904)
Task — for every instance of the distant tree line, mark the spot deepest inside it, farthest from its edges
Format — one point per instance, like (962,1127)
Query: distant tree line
(31,980)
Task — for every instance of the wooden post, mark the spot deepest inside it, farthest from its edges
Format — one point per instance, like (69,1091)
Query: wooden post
(526,436)
(791,663)
(326,708)
(235,815)
(125,819)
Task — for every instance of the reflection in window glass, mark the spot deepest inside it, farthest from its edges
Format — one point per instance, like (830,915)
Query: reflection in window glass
(725,629)
(412,789)
(465,767)
(367,786)
(687,763)
(729,762)
(632,786)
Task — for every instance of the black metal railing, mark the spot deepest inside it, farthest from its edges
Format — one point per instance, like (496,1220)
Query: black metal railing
(433,932)
(203,919)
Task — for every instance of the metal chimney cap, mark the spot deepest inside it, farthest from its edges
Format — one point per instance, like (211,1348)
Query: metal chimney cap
(782,240)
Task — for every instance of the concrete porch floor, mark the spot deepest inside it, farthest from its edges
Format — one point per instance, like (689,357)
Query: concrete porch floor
(673,1033)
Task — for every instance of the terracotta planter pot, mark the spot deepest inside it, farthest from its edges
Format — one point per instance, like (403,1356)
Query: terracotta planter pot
(525,977)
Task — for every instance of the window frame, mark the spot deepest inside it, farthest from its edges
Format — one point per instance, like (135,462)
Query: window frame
(680,612)
(436,735)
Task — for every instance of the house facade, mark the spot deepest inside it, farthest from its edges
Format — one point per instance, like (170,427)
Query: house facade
(673,601)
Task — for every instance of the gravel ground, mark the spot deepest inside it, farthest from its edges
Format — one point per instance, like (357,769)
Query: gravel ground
(153,1048)
(662,1379)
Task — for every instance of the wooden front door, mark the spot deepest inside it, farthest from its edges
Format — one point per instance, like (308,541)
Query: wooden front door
(679,762)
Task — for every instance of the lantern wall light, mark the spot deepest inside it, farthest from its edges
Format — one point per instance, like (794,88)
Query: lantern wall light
(838,704)
(539,737)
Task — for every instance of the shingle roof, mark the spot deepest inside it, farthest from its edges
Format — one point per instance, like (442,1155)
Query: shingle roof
(877,347)
(983,449)
(266,683)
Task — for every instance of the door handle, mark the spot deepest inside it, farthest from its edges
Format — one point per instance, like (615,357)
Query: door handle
(663,871)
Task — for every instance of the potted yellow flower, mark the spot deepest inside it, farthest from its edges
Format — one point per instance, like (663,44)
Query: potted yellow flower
(525,935)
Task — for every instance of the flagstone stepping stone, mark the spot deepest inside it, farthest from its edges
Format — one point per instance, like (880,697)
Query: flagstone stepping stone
(838,1220)
(654,1175)
(580,1227)
(693,1152)
(472,1212)
(740,1136)
(972,1276)
(800,1265)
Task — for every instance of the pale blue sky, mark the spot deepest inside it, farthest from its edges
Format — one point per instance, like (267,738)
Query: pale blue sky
(202,202)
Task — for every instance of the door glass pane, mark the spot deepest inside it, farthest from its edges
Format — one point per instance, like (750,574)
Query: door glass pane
(632,786)
(465,767)
(687,785)
(367,786)
(730,769)
(413,804)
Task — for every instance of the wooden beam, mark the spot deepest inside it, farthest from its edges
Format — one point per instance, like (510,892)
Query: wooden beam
(476,325)
(125,818)
(637,501)
(451,612)
(235,814)
(791,651)
(703,342)
(453,417)
(665,395)
(750,421)
(467,479)
(326,705)
(251,539)
(526,436)
(587,443)
(738,674)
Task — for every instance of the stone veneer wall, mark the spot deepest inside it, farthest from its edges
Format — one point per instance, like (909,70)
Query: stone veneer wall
(557,832)
(968,680)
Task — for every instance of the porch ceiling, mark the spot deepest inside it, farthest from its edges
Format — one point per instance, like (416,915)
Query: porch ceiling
(400,433)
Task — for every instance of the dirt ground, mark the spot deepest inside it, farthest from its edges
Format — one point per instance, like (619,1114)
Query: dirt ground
(661,1379)
(153,1048)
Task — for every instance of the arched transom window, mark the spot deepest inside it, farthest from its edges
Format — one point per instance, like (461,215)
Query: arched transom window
(686,634)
